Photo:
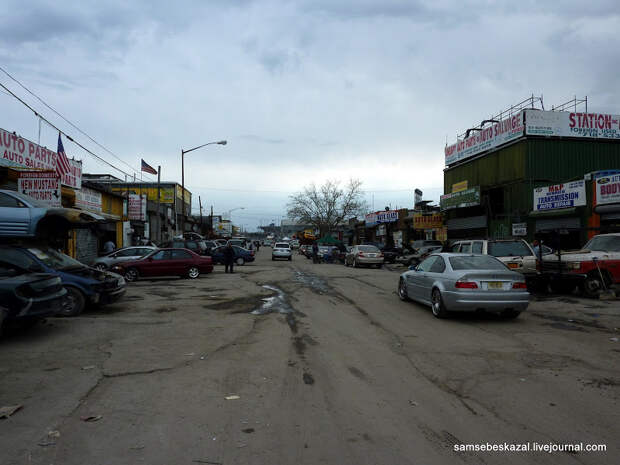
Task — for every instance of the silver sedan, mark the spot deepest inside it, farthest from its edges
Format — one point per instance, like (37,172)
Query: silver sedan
(462,282)
(122,255)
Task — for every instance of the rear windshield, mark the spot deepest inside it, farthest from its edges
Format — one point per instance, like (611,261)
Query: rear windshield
(604,243)
(367,248)
(508,249)
(476,262)
(282,245)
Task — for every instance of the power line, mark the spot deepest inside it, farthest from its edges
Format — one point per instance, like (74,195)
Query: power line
(69,122)
(64,133)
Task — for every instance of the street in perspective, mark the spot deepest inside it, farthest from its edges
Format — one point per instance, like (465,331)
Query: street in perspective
(254,243)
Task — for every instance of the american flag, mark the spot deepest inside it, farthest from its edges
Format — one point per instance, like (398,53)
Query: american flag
(148,168)
(62,162)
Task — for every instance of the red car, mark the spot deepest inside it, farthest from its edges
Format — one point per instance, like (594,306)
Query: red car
(166,262)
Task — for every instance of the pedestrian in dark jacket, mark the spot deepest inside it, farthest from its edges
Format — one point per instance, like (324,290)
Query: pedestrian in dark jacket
(315,253)
(229,258)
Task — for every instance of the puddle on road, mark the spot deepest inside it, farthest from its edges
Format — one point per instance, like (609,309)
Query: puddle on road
(274,304)
(312,281)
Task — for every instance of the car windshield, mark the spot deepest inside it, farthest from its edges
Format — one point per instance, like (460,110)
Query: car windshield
(476,262)
(54,259)
(282,245)
(368,248)
(508,249)
(604,243)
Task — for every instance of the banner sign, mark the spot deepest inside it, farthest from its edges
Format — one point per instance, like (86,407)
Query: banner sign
(462,199)
(567,124)
(88,199)
(572,194)
(519,229)
(608,189)
(421,221)
(459,186)
(389,216)
(137,207)
(17,152)
(43,186)
(485,139)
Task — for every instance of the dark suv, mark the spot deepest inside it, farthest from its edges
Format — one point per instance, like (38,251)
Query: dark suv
(199,247)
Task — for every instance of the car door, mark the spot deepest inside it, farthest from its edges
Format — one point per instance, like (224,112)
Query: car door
(153,265)
(14,216)
(477,247)
(417,278)
(180,261)
(430,278)
(465,247)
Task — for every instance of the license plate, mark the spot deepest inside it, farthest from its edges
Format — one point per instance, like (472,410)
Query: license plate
(495,285)
(513,265)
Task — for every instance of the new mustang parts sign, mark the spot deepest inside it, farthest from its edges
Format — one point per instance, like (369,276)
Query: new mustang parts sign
(572,194)
(19,153)
(43,186)
(388,216)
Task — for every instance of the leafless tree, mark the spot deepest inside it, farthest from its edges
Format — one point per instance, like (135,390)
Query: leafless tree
(327,206)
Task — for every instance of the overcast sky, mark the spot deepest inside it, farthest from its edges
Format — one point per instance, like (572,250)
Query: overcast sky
(304,91)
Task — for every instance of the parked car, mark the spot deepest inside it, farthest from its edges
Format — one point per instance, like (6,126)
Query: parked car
(84,284)
(199,247)
(23,216)
(221,242)
(282,250)
(515,253)
(192,236)
(166,262)
(418,244)
(364,255)
(464,282)
(595,267)
(268,242)
(417,256)
(210,246)
(294,244)
(26,297)
(389,253)
(121,255)
(241,255)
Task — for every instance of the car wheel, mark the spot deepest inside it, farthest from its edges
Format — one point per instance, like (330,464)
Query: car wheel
(510,314)
(402,290)
(273,259)
(132,275)
(355,264)
(290,258)
(74,302)
(240,261)
(193,272)
(437,305)
(592,285)
(379,265)
(100,267)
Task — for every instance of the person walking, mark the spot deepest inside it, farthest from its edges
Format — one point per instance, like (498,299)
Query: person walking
(229,257)
(315,252)
(109,247)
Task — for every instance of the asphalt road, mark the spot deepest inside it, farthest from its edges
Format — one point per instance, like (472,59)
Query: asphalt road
(330,368)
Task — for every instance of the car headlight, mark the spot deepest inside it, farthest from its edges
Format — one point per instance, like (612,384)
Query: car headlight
(573,265)
(121,281)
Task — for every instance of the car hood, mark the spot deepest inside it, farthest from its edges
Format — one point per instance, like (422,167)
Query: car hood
(582,255)
(93,273)
(75,216)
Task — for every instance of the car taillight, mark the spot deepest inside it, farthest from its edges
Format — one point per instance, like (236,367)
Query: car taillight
(252,253)
(519,285)
(361,254)
(465,285)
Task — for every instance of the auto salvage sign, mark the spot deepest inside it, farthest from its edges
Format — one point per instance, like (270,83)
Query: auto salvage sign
(15,151)
(43,186)
(388,216)
(608,189)
(572,194)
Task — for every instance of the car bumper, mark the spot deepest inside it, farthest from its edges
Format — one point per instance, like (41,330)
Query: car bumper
(484,300)
(281,254)
(40,308)
(369,260)
(108,296)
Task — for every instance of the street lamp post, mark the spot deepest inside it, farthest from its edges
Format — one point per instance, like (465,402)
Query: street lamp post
(183,152)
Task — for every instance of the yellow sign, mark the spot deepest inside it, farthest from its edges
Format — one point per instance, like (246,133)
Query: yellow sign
(166,194)
(421,221)
(459,186)
(309,234)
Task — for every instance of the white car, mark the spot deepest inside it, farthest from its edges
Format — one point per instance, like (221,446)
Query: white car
(282,250)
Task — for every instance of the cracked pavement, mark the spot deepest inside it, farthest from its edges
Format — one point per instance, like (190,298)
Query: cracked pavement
(329,366)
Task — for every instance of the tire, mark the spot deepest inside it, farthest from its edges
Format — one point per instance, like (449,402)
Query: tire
(379,266)
(100,267)
(132,275)
(74,302)
(273,259)
(355,264)
(240,261)
(593,285)
(437,305)
(193,272)
(402,291)
(510,314)
(290,259)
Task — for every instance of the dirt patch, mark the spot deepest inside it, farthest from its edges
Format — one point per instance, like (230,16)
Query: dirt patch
(247,303)
(308,378)
(166,309)
(602,383)
(162,293)
(358,373)
(569,321)
(247,430)
(566,326)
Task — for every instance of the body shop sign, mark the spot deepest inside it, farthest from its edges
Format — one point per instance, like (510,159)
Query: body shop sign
(485,139)
(572,194)
(18,152)
(43,186)
(389,216)
(608,189)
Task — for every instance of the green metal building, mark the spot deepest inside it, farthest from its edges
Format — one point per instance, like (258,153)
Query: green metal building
(506,178)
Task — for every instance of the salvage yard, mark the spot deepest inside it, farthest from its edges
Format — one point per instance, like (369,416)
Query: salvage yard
(290,362)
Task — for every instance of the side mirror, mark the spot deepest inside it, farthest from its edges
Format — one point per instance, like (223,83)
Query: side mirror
(413,268)
(150,259)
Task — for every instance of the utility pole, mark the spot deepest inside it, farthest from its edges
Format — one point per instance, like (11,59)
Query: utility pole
(158,233)
(200,207)
(211,221)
